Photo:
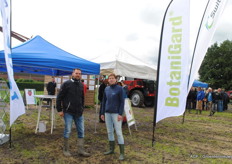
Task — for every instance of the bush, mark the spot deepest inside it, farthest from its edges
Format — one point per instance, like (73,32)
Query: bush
(1,78)
(19,80)
(38,86)
(28,84)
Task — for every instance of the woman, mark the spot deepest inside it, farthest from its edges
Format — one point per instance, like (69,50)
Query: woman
(111,112)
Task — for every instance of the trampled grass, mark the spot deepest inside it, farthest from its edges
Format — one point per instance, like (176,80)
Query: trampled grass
(201,139)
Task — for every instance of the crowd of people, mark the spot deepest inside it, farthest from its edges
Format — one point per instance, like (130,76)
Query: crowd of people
(210,100)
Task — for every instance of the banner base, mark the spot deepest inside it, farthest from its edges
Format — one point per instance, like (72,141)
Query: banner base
(4,138)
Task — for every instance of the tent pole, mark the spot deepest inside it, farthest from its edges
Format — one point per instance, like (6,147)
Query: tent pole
(96,106)
(10,141)
(183,117)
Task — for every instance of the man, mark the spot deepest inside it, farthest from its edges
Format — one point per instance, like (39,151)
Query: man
(210,97)
(200,97)
(190,99)
(226,100)
(51,87)
(70,105)
(102,89)
(100,96)
(220,100)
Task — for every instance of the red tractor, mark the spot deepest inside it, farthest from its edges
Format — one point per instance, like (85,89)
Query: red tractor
(141,92)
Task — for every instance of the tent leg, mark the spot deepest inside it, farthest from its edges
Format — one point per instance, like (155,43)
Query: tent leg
(96,113)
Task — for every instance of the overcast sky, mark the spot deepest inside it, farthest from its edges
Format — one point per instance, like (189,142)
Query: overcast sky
(87,28)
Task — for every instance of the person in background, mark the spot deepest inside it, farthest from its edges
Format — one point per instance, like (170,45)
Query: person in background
(100,96)
(195,99)
(112,111)
(220,100)
(125,93)
(119,83)
(204,102)
(51,87)
(70,106)
(85,86)
(226,100)
(102,89)
(190,99)
(125,89)
(200,97)
(215,101)
(210,99)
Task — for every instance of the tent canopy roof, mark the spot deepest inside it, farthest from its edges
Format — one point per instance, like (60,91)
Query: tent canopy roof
(38,56)
(197,83)
(123,63)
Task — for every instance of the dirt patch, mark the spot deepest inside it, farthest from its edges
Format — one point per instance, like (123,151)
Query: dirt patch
(190,142)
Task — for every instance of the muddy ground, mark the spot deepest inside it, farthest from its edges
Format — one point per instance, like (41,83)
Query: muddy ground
(201,139)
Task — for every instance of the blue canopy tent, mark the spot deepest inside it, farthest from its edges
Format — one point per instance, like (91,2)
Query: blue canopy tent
(38,56)
(197,83)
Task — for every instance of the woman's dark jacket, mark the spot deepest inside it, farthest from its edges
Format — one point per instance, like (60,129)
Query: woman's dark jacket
(113,100)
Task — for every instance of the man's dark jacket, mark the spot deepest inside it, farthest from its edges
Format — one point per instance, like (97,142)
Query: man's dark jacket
(51,88)
(71,98)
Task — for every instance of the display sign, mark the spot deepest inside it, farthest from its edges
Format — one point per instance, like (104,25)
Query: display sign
(29,96)
(129,112)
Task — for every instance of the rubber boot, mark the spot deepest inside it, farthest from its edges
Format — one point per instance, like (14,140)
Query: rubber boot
(121,147)
(66,148)
(81,151)
(112,146)
(213,113)
(210,114)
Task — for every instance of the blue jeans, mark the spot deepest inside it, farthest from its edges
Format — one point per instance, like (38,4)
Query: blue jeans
(79,122)
(111,120)
(220,106)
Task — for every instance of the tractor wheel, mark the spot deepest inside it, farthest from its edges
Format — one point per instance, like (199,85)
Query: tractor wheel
(149,101)
(137,98)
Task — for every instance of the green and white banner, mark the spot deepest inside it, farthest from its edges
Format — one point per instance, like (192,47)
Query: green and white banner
(213,12)
(17,107)
(173,66)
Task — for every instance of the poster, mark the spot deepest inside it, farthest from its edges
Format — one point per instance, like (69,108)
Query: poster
(92,77)
(58,80)
(91,88)
(29,96)
(129,112)
(84,76)
(91,82)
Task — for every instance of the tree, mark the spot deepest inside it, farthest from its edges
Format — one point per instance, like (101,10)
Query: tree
(216,68)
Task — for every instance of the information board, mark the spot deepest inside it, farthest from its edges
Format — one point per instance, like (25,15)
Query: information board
(29,96)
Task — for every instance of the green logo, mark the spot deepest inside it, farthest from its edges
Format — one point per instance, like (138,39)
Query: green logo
(209,23)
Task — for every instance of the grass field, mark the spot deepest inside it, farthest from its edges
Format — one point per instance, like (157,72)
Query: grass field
(201,139)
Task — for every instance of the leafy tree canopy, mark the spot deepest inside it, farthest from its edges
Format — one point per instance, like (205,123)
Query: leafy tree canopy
(216,68)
